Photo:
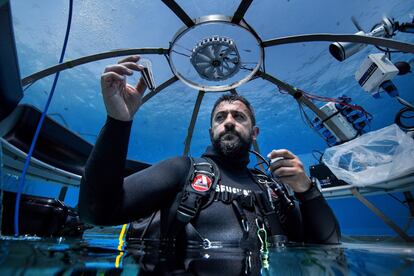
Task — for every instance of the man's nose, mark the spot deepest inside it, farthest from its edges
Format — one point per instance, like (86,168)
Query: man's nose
(229,123)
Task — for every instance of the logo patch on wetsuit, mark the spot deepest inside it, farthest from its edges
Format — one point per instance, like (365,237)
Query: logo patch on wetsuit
(201,183)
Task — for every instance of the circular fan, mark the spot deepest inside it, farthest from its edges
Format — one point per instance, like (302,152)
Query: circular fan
(216,58)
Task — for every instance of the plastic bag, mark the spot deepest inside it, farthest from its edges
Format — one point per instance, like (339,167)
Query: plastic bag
(374,157)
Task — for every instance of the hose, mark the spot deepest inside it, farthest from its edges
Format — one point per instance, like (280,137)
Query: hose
(39,126)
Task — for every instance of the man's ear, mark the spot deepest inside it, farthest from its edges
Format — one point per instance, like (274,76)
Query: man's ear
(211,133)
(255,132)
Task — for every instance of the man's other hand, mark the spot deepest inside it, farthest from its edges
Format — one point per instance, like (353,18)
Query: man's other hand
(289,169)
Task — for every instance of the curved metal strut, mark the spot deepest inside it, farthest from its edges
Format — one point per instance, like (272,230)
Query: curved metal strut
(86,59)
(384,42)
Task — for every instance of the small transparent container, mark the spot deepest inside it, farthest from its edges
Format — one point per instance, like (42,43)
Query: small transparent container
(147,72)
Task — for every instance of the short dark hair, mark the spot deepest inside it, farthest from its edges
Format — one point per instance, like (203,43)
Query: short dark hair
(232,98)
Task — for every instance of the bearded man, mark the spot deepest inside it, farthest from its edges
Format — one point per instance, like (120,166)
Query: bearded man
(212,200)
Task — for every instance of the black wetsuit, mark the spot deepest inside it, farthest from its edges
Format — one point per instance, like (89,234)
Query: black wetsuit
(106,198)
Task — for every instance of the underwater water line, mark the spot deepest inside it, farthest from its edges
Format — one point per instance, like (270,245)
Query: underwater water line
(39,126)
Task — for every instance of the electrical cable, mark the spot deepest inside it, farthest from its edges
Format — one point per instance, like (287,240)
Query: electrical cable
(185,48)
(327,99)
(404,102)
(39,126)
(180,53)
(337,101)
(276,185)
(264,160)
(402,114)
(259,164)
(305,118)
(387,50)
(247,69)
(340,102)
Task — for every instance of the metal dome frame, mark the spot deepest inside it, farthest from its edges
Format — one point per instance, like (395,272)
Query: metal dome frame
(236,19)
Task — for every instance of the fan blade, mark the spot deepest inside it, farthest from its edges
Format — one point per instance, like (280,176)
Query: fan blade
(234,60)
(203,57)
(208,72)
(220,72)
(217,49)
(203,65)
(226,52)
(226,65)
(209,52)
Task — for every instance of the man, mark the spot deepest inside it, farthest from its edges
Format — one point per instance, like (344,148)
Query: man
(239,204)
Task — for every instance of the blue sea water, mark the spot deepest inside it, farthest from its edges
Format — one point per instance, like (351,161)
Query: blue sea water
(161,125)
(102,256)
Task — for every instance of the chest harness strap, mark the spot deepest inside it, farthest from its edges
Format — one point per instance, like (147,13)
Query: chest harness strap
(200,191)
(197,193)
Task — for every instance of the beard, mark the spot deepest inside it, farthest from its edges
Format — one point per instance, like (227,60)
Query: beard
(231,144)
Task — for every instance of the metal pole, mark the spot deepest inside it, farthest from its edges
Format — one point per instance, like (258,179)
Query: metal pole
(381,215)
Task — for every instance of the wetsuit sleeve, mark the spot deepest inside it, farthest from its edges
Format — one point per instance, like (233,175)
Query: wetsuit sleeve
(318,220)
(106,198)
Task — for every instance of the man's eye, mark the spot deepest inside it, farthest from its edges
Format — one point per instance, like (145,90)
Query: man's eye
(219,118)
(239,117)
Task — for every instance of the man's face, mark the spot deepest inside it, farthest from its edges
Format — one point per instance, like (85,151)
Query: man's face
(232,132)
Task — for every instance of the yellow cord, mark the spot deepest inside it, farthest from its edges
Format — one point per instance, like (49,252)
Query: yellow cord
(121,245)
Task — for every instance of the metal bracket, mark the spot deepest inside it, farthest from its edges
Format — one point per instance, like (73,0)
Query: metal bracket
(381,215)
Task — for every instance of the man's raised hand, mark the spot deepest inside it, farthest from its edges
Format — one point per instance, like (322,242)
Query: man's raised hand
(121,99)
